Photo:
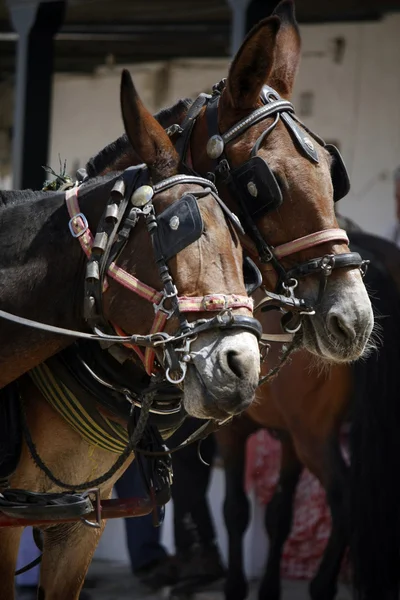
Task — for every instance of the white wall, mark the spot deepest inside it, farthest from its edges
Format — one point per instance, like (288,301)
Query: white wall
(86,114)
(5,124)
(357,103)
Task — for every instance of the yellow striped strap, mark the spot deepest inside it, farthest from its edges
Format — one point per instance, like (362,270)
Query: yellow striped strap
(150,355)
(111,436)
(132,283)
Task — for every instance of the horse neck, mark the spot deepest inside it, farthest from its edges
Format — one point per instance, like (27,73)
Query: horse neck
(41,276)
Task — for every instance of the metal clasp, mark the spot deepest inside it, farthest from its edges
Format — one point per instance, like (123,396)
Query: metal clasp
(97,509)
(225,317)
(364,267)
(72,224)
(183,368)
(160,306)
(172,129)
(327,264)
(290,286)
(185,360)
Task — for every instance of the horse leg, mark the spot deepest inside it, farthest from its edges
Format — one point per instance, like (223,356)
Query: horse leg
(236,510)
(278,519)
(335,479)
(9,545)
(67,553)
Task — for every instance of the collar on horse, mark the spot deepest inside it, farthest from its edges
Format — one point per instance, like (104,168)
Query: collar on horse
(257,192)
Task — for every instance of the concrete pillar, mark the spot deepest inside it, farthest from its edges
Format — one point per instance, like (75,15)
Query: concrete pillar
(246,14)
(36,24)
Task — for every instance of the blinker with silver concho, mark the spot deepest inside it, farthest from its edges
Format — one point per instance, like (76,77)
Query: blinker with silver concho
(251,186)
(174,223)
(215,146)
(142,195)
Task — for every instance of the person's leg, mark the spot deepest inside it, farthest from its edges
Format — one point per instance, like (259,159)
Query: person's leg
(192,519)
(143,539)
(27,553)
(194,532)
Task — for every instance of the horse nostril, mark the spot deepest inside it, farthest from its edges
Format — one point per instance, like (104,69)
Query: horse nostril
(235,363)
(342,329)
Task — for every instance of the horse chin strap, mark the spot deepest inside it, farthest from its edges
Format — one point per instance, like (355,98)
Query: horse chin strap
(295,308)
(243,187)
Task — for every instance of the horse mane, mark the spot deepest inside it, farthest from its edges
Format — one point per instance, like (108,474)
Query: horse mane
(120,154)
(14,197)
(9,197)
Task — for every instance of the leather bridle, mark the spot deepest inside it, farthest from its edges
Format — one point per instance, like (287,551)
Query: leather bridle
(102,250)
(221,172)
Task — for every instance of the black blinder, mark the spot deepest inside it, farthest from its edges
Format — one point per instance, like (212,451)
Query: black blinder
(179,225)
(252,276)
(257,187)
(339,174)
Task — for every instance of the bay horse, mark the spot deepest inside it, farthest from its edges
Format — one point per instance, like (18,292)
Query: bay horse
(282,181)
(305,407)
(204,263)
(42,271)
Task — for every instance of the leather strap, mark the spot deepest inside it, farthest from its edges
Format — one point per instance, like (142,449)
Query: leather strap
(311,240)
(272,108)
(186,127)
(338,261)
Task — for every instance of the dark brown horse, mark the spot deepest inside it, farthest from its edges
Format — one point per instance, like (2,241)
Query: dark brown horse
(207,265)
(43,275)
(306,406)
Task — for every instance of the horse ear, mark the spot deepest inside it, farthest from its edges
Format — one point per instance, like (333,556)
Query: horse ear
(146,135)
(287,50)
(252,64)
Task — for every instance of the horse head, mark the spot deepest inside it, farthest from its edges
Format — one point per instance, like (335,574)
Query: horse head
(282,180)
(186,243)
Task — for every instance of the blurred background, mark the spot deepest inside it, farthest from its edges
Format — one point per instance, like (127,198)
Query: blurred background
(348,89)
(60,65)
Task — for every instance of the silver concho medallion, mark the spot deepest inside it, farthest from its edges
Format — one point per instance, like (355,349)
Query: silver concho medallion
(215,146)
(142,195)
